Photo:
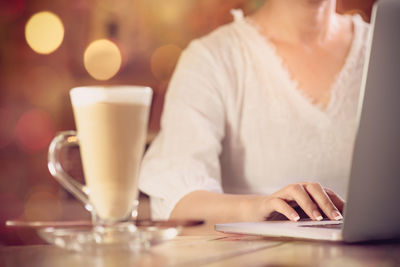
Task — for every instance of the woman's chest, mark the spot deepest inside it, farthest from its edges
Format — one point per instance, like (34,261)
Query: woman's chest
(269,120)
(313,70)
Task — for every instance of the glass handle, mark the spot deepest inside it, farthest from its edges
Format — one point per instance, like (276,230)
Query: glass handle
(65,139)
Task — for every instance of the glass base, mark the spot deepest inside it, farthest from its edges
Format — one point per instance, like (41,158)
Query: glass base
(100,239)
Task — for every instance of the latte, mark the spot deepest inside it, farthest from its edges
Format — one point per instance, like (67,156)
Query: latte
(111,132)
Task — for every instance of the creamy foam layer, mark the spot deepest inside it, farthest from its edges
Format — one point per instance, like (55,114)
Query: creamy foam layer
(89,95)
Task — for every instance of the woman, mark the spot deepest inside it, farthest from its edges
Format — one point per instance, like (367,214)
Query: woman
(258,116)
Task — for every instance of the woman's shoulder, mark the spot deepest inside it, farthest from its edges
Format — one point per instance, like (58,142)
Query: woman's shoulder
(224,40)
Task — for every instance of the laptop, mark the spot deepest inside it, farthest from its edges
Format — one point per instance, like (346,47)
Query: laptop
(372,210)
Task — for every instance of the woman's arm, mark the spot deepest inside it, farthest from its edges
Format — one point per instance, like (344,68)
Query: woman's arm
(184,157)
(312,198)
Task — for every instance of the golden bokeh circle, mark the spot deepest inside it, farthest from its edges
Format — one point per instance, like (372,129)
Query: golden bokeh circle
(37,205)
(44,32)
(102,59)
(163,61)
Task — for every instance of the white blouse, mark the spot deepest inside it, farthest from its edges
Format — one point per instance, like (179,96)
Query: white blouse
(235,122)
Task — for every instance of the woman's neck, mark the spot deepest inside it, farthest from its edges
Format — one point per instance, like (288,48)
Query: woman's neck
(299,21)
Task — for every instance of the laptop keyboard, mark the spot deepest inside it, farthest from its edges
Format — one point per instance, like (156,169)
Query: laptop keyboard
(326,226)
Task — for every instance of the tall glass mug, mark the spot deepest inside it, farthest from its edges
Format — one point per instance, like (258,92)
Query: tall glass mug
(111,133)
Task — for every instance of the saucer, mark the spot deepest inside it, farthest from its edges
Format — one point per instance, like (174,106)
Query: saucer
(90,239)
(133,235)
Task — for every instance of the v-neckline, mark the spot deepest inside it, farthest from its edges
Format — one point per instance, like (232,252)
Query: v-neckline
(293,83)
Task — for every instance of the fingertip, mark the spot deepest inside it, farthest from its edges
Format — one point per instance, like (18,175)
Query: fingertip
(337,216)
(294,217)
(317,215)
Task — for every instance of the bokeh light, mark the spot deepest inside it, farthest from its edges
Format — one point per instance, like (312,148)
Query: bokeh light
(44,32)
(171,12)
(42,204)
(163,61)
(34,130)
(102,59)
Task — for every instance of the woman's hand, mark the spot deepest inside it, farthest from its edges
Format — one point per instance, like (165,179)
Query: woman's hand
(213,207)
(309,196)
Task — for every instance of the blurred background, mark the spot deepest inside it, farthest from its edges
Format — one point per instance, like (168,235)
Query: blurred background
(49,46)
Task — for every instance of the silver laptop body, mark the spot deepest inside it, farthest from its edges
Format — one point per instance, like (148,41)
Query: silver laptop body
(372,210)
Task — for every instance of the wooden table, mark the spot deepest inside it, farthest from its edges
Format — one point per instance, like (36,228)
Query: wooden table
(213,250)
